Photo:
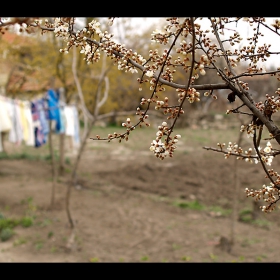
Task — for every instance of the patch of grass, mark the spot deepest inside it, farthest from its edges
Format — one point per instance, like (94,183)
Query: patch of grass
(144,258)
(19,241)
(26,221)
(245,215)
(50,234)
(22,155)
(186,258)
(262,256)
(39,245)
(248,242)
(29,155)
(242,258)
(213,257)
(48,157)
(261,223)
(194,205)
(53,249)
(8,223)
(94,260)
(176,246)
(219,210)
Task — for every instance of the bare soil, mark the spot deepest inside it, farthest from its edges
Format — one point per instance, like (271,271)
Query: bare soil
(132,207)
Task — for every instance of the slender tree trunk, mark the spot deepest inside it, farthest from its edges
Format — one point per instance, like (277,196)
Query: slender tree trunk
(74,173)
(236,185)
(54,175)
(3,135)
(61,154)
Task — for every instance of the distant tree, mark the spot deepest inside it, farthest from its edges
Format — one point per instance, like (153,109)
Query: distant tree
(190,50)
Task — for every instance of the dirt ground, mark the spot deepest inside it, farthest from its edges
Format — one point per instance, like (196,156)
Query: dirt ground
(129,207)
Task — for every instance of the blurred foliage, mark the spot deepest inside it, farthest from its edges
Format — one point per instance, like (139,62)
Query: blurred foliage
(33,64)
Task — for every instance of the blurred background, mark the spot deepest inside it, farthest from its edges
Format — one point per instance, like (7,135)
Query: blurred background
(125,204)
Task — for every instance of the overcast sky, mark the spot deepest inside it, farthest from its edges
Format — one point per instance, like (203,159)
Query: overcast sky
(142,23)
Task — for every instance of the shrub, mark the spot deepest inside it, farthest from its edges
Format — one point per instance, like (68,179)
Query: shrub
(6,234)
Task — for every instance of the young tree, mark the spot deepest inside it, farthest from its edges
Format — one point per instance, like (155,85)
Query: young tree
(197,47)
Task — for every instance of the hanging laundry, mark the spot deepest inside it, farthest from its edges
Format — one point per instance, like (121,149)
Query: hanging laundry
(30,139)
(54,112)
(15,134)
(72,127)
(5,120)
(40,122)
(69,121)
(28,121)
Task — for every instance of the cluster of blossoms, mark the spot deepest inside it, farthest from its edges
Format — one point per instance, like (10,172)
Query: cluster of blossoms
(276,24)
(249,129)
(269,194)
(191,94)
(61,28)
(84,39)
(249,156)
(166,148)
(267,157)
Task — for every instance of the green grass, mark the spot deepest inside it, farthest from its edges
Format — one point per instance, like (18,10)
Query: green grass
(139,140)
(176,246)
(194,205)
(26,221)
(8,224)
(93,260)
(144,258)
(19,241)
(186,258)
(219,210)
(39,245)
(53,249)
(23,155)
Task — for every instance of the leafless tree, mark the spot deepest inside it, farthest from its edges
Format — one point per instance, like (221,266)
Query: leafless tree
(186,45)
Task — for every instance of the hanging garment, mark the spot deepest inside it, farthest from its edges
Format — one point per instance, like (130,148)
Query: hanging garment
(72,127)
(54,111)
(15,135)
(40,120)
(5,120)
(30,139)
(69,121)
(44,116)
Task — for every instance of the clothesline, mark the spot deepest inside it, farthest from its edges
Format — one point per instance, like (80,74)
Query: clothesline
(28,121)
